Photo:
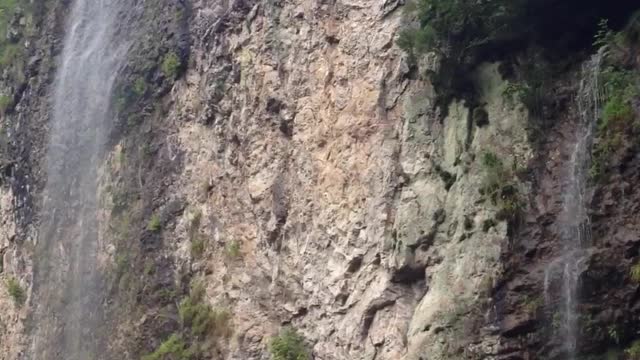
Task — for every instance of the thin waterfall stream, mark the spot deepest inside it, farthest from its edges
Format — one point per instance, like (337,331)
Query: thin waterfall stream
(67,291)
(574,223)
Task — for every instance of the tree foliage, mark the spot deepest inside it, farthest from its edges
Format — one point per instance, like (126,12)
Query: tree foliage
(461,33)
(455,28)
(289,345)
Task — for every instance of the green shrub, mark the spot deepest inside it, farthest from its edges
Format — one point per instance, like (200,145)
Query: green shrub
(617,121)
(501,187)
(5,101)
(233,249)
(634,272)
(171,65)
(197,246)
(196,219)
(618,43)
(604,36)
(149,267)
(200,318)
(516,91)
(491,161)
(457,27)
(139,87)
(7,9)
(154,223)
(616,109)
(633,351)
(195,315)
(289,345)
(458,32)
(16,291)
(533,304)
(9,53)
(174,348)
(613,333)
(631,32)
(495,173)
(197,242)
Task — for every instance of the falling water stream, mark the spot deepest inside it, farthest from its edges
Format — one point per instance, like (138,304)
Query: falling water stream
(67,291)
(574,224)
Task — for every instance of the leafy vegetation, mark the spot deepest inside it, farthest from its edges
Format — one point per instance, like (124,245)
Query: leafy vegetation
(289,345)
(620,88)
(454,29)
(202,319)
(7,9)
(197,242)
(16,291)
(197,247)
(617,123)
(233,249)
(613,334)
(634,272)
(12,47)
(633,351)
(458,32)
(533,304)
(171,65)
(154,223)
(140,87)
(202,326)
(10,52)
(501,187)
(5,101)
(130,93)
(173,348)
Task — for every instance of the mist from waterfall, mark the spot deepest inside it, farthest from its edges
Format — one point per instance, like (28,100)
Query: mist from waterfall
(574,223)
(67,291)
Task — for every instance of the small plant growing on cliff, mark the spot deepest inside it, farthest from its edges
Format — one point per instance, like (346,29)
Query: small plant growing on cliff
(202,319)
(154,223)
(171,65)
(500,186)
(634,272)
(197,246)
(517,91)
(612,331)
(633,351)
(533,304)
(140,87)
(604,36)
(617,120)
(289,345)
(16,291)
(172,348)
(233,249)
(197,242)
(5,101)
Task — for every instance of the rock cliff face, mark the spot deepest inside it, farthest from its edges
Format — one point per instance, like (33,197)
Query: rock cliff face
(286,159)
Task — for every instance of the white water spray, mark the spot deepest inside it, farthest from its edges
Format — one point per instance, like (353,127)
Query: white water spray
(67,291)
(575,225)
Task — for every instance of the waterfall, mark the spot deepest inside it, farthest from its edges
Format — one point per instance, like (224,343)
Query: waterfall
(67,295)
(574,222)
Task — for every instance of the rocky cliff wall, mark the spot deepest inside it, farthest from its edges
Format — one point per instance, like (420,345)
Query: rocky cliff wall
(291,165)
